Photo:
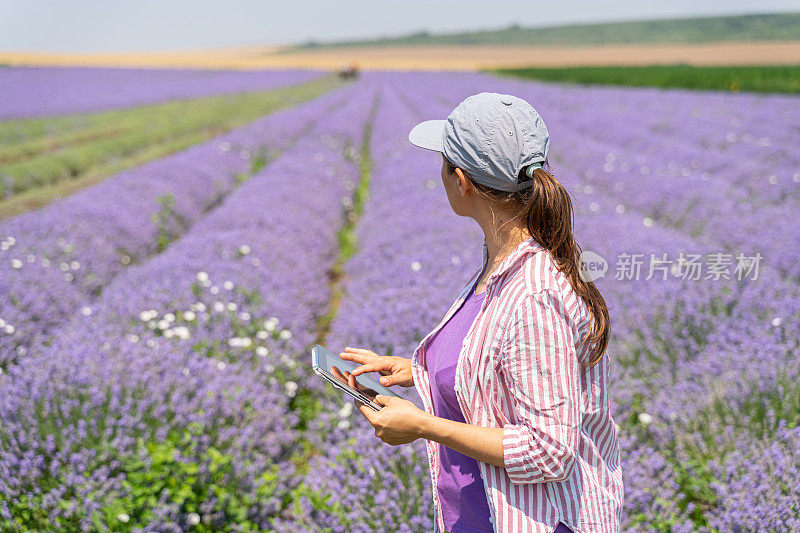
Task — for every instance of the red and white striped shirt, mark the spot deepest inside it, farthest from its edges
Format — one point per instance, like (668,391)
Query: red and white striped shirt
(519,370)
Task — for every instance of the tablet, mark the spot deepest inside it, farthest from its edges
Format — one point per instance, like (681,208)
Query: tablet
(331,367)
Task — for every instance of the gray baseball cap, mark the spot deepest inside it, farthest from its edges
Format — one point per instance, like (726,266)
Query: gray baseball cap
(491,136)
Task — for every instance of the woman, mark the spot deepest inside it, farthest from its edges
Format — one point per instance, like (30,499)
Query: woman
(513,379)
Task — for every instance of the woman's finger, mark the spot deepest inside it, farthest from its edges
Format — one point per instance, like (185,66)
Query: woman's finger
(356,358)
(369,367)
(361,351)
(364,409)
(388,381)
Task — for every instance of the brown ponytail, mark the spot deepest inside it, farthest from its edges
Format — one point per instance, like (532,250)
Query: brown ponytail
(547,209)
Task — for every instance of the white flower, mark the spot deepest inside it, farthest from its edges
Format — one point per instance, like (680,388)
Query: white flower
(415,266)
(185,371)
(231,306)
(214,289)
(169,333)
(285,334)
(133,338)
(240,342)
(647,221)
(262,351)
(346,410)
(125,259)
(244,249)
(202,276)
(620,209)
(618,427)
(193,519)
(45,262)
(2,323)
(11,241)
(228,285)
(291,388)
(189,315)
(244,316)
(16,264)
(777,321)
(31,258)
(151,324)
(169,317)
(200,307)
(219,306)
(269,325)
(261,334)
(123,517)
(74,265)
(68,277)
(182,332)
(221,365)
(645,419)
(86,310)
(9,329)
(145,316)
(344,424)
(162,324)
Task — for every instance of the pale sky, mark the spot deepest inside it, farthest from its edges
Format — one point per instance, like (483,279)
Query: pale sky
(148,25)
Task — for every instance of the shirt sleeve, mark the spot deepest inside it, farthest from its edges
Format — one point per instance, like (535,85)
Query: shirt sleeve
(540,364)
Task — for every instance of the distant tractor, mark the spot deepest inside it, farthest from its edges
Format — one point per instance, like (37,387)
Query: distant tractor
(348,71)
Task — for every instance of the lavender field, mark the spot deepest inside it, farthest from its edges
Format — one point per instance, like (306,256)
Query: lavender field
(155,328)
(47,91)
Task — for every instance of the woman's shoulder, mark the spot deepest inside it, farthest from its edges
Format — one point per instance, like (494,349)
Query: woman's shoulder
(540,279)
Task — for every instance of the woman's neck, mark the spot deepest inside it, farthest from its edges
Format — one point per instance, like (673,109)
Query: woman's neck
(500,243)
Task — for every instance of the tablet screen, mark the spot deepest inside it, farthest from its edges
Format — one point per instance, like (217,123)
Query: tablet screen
(335,367)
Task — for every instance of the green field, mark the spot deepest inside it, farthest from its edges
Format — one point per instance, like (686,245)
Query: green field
(751,27)
(44,158)
(775,79)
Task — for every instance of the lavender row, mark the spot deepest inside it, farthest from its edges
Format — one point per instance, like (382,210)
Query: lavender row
(56,260)
(48,91)
(176,389)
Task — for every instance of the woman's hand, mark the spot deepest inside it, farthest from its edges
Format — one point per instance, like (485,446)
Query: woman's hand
(398,422)
(394,370)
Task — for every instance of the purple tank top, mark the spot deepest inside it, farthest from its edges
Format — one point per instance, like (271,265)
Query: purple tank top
(460,486)
(461,493)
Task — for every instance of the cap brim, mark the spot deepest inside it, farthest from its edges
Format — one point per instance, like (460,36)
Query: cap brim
(428,135)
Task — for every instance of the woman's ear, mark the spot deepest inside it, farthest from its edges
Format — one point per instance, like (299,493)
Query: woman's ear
(463,182)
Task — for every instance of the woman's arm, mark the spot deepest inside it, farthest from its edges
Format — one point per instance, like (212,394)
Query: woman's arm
(401,422)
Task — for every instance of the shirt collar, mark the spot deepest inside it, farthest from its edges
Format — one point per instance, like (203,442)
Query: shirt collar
(528,246)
